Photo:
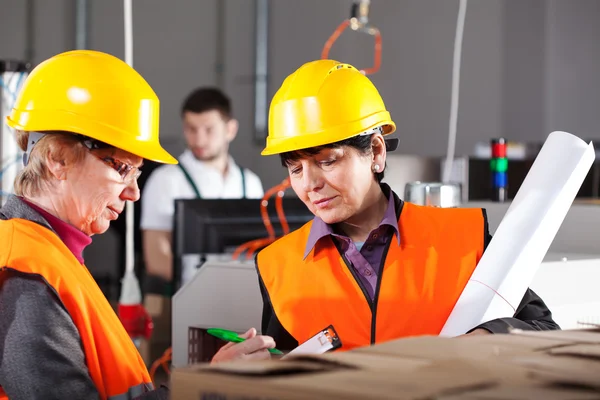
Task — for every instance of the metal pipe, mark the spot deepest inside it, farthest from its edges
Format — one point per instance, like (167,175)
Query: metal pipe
(129,211)
(220,45)
(29,34)
(81,24)
(261,68)
(359,14)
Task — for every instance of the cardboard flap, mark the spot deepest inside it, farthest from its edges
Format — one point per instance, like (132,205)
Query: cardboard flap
(585,381)
(582,350)
(471,347)
(429,348)
(376,361)
(525,393)
(445,377)
(578,371)
(421,383)
(300,365)
(572,336)
(507,343)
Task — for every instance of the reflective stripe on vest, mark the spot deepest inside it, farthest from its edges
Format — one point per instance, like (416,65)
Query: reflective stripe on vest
(133,392)
(418,284)
(113,361)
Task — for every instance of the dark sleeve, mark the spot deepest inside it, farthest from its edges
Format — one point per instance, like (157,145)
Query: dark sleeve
(532,315)
(41,354)
(270,324)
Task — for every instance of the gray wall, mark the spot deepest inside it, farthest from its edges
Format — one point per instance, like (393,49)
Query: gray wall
(572,60)
(524,70)
(529,66)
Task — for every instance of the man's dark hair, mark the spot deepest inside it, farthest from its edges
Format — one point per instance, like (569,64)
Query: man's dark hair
(360,143)
(207,99)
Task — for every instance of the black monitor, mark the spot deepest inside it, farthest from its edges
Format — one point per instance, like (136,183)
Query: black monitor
(214,226)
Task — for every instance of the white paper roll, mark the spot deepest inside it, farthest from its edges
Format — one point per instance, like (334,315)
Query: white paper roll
(524,235)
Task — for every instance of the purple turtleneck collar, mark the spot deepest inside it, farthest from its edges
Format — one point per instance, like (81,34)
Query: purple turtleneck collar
(72,237)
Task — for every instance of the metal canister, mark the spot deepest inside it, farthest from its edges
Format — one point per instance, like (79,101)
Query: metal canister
(435,194)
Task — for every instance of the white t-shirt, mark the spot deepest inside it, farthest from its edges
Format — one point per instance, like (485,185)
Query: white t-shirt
(167,183)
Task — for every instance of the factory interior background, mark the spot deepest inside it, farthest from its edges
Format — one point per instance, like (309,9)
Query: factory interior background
(528,68)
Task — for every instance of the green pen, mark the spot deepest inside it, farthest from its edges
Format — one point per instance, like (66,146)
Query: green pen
(230,336)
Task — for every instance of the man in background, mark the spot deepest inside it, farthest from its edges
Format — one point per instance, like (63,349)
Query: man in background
(206,170)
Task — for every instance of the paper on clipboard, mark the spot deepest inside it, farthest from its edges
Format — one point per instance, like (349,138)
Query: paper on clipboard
(524,235)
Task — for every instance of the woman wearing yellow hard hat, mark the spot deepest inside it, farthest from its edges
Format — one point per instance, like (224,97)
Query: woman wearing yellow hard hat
(371,265)
(86,121)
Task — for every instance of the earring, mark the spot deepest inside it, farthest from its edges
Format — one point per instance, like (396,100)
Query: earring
(376,168)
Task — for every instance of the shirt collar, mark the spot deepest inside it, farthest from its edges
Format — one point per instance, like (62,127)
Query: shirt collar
(189,160)
(319,229)
(73,238)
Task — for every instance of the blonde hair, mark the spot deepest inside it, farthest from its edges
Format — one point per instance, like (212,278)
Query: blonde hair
(56,145)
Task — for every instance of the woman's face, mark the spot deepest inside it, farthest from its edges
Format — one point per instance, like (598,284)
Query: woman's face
(95,193)
(335,182)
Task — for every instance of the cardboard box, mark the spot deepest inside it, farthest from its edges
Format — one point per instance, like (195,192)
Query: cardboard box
(520,392)
(522,365)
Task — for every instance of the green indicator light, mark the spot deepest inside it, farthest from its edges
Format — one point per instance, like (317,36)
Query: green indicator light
(499,164)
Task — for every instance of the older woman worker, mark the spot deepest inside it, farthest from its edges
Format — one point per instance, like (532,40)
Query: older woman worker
(375,267)
(86,121)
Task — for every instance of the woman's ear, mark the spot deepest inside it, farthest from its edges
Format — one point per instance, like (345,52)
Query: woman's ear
(57,163)
(379,152)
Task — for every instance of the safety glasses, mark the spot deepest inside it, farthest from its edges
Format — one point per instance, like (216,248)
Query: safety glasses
(128,172)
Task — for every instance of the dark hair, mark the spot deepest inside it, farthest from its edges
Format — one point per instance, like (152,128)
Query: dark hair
(207,99)
(360,143)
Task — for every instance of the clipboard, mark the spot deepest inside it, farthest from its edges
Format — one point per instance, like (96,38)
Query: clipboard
(323,341)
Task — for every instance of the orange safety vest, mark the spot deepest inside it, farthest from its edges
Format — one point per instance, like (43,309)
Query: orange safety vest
(114,363)
(419,283)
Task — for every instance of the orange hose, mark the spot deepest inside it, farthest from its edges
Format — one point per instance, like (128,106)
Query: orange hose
(259,243)
(279,206)
(369,30)
(264,210)
(334,36)
(251,246)
(161,361)
(376,55)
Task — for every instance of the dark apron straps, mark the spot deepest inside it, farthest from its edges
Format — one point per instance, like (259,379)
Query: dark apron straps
(243,182)
(190,180)
(195,188)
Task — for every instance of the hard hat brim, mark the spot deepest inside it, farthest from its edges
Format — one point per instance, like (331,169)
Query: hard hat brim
(146,149)
(302,142)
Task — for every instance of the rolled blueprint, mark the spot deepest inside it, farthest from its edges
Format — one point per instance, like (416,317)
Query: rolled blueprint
(524,235)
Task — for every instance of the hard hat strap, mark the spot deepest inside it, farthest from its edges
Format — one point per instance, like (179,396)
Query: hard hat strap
(377,129)
(32,140)
(390,144)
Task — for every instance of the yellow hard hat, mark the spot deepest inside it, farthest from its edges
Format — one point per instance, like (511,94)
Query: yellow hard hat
(93,94)
(323,102)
